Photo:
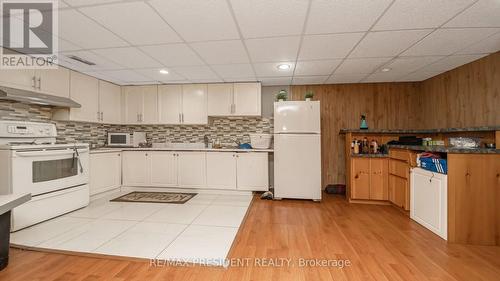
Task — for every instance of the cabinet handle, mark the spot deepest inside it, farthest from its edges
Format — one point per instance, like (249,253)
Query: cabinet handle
(98,116)
(182,114)
(356,176)
(33,82)
(119,154)
(146,154)
(102,116)
(39,83)
(180,118)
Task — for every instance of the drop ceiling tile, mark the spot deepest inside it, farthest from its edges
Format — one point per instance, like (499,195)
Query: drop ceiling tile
(451,62)
(82,31)
(221,52)
(448,41)
(331,46)
(383,77)
(233,70)
(195,72)
(308,80)
(173,54)
(338,78)
(147,27)
(273,49)
(387,43)
(104,77)
(154,74)
(198,20)
(79,3)
(488,45)
(275,81)
(406,65)
(418,76)
(264,18)
(128,57)
(420,14)
(67,46)
(242,79)
(484,13)
(361,66)
(127,76)
(328,16)
(101,63)
(270,69)
(214,80)
(317,67)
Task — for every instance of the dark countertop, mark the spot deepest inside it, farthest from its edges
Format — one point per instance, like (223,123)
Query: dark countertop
(364,155)
(446,149)
(424,131)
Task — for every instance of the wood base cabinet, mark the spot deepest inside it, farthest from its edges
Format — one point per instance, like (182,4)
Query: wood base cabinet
(105,172)
(369,180)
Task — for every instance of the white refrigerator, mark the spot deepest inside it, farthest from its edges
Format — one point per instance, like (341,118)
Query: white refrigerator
(297,150)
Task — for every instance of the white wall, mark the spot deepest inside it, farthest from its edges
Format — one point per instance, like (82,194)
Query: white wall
(269,96)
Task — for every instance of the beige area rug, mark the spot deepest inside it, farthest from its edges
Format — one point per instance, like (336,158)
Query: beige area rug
(155,197)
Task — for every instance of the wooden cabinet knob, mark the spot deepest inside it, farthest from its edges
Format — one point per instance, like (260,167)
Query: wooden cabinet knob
(357,176)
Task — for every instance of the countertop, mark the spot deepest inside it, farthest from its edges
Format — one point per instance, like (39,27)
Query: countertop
(423,131)
(445,149)
(115,149)
(9,202)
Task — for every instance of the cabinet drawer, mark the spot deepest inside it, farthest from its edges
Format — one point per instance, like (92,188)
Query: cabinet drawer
(399,154)
(399,168)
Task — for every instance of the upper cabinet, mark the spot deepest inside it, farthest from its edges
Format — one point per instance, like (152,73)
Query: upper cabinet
(109,102)
(182,104)
(47,81)
(140,104)
(238,99)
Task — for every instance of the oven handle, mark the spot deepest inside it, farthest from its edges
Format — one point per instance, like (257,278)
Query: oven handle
(49,152)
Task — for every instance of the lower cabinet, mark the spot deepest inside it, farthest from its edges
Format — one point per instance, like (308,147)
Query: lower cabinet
(192,169)
(105,172)
(399,190)
(369,179)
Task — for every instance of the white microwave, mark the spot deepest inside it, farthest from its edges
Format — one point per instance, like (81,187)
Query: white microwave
(119,139)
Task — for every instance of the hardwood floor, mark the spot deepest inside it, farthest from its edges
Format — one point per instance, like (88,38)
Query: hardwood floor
(381,243)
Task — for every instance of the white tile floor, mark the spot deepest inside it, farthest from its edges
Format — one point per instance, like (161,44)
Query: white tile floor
(202,230)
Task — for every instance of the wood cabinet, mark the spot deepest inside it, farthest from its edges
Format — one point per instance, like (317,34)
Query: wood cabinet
(221,170)
(109,102)
(369,179)
(191,169)
(163,165)
(473,199)
(183,104)
(252,171)
(140,104)
(400,163)
(105,172)
(234,99)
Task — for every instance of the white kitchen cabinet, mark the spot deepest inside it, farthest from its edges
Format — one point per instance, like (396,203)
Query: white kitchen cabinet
(169,104)
(252,171)
(105,172)
(136,168)
(220,99)
(109,102)
(54,81)
(221,170)
(19,79)
(194,104)
(84,90)
(247,99)
(163,165)
(140,104)
(191,169)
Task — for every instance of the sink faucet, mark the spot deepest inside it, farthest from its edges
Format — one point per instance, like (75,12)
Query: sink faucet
(206,140)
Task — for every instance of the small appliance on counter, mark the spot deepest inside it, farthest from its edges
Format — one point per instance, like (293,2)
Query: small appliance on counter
(119,139)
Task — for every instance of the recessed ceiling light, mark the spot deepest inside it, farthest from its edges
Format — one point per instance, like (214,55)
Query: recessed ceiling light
(283,66)
(163,71)
(386,69)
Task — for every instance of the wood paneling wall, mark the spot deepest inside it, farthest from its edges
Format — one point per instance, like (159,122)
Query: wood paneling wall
(386,105)
(467,96)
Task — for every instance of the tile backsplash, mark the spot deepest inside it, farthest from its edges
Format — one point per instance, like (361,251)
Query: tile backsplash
(228,130)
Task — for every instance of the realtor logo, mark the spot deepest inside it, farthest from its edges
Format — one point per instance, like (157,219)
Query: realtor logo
(29,34)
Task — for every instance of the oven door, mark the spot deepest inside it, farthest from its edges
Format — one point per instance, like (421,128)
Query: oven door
(42,171)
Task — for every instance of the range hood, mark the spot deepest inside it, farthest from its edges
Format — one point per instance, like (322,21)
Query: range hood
(30,97)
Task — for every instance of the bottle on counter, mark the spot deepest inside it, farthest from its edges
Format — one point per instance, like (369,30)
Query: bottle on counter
(356,147)
(365,149)
(374,147)
(352,145)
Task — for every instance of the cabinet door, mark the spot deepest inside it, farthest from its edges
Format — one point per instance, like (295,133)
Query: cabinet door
(247,99)
(105,172)
(163,168)
(378,179)
(191,169)
(399,190)
(221,170)
(109,101)
(361,180)
(135,168)
(133,104)
(19,79)
(85,91)
(149,114)
(194,104)
(252,171)
(169,104)
(54,81)
(220,99)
